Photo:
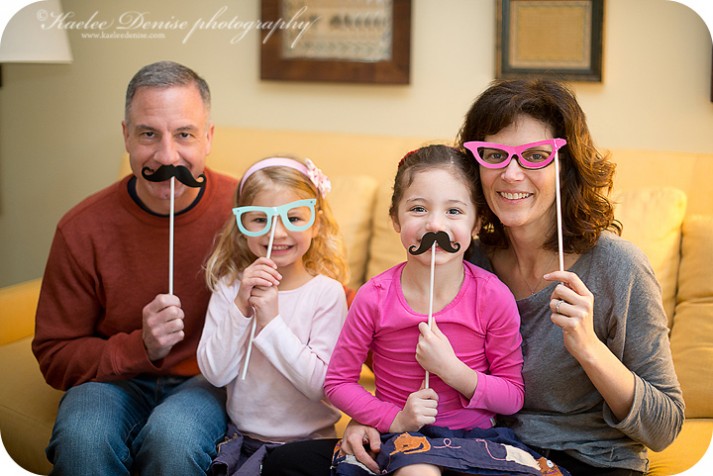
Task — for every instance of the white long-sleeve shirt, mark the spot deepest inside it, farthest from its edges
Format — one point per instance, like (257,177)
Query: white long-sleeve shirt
(281,398)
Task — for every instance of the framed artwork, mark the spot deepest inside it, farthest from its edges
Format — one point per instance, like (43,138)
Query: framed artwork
(360,41)
(558,39)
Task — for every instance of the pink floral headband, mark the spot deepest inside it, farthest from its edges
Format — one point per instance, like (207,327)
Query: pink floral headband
(308,169)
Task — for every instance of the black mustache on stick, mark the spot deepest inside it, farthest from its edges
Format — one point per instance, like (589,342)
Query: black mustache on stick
(440,237)
(181,173)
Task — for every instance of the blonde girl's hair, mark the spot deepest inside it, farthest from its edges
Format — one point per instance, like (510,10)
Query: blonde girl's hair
(325,255)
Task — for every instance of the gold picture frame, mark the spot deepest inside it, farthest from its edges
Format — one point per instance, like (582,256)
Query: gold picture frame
(360,42)
(558,39)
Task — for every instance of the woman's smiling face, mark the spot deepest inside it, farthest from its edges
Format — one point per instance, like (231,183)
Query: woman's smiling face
(520,197)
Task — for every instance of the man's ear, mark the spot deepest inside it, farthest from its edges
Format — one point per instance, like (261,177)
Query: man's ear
(125,134)
(209,138)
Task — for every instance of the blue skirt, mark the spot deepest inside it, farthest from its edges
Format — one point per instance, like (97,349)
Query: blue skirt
(492,451)
(239,455)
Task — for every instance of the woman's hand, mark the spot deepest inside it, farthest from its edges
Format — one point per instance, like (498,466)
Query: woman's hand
(573,311)
(421,409)
(262,272)
(572,308)
(357,438)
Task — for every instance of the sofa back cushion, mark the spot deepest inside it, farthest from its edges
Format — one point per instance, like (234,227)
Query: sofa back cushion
(385,249)
(652,219)
(692,332)
(352,201)
(18,304)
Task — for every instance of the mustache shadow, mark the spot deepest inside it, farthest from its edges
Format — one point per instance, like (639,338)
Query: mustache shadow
(165,172)
(439,237)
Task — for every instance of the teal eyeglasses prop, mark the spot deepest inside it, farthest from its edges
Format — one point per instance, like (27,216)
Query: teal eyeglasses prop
(256,221)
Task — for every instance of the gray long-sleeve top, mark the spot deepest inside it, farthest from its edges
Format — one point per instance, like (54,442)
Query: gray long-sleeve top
(563,410)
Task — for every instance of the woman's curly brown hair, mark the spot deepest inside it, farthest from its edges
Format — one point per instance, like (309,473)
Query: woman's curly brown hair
(586,174)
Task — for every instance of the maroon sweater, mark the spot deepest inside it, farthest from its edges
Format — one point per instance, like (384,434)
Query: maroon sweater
(109,259)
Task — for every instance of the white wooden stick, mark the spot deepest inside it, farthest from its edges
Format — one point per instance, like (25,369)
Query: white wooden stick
(430,299)
(170,237)
(272,237)
(254,323)
(558,197)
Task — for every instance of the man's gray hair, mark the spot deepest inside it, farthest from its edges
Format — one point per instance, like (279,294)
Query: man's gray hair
(165,74)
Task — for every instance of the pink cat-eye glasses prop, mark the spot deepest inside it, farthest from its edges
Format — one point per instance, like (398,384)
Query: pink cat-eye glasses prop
(535,155)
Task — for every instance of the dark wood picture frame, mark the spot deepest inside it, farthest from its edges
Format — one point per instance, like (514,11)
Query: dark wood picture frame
(583,64)
(396,70)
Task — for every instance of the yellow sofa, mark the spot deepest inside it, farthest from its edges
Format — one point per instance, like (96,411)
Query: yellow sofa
(663,203)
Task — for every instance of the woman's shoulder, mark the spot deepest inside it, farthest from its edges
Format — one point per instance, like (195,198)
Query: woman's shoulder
(614,249)
(618,259)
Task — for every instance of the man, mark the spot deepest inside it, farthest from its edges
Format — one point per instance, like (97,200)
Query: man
(106,329)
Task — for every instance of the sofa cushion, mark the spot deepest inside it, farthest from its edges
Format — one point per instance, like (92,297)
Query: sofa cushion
(690,446)
(652,220)
(692,333)
(18,303)
(28,407)
(352,202)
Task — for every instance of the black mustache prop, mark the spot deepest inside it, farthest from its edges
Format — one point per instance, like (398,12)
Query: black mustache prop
(182,174)
(440,237)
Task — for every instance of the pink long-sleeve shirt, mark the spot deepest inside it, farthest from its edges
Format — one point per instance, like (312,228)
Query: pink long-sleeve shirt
(483,326)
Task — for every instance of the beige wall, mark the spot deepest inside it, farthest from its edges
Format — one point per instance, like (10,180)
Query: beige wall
(60,135)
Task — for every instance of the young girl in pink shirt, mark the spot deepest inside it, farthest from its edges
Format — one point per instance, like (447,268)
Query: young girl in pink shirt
(471,351)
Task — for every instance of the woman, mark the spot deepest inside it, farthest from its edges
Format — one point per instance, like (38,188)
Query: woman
(599,379)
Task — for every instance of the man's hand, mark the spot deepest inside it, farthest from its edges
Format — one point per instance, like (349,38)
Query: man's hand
(357,438)
(162,325)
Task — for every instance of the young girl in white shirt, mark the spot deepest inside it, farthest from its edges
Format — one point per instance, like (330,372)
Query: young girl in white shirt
(293,303)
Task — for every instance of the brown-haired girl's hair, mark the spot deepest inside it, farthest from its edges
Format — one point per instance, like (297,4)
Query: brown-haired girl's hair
(586,174)
(436,156)
(325,255)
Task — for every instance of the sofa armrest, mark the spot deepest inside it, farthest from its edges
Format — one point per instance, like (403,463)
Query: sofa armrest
(18,304)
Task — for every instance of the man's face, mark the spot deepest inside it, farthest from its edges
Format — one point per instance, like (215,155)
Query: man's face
(167,126)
